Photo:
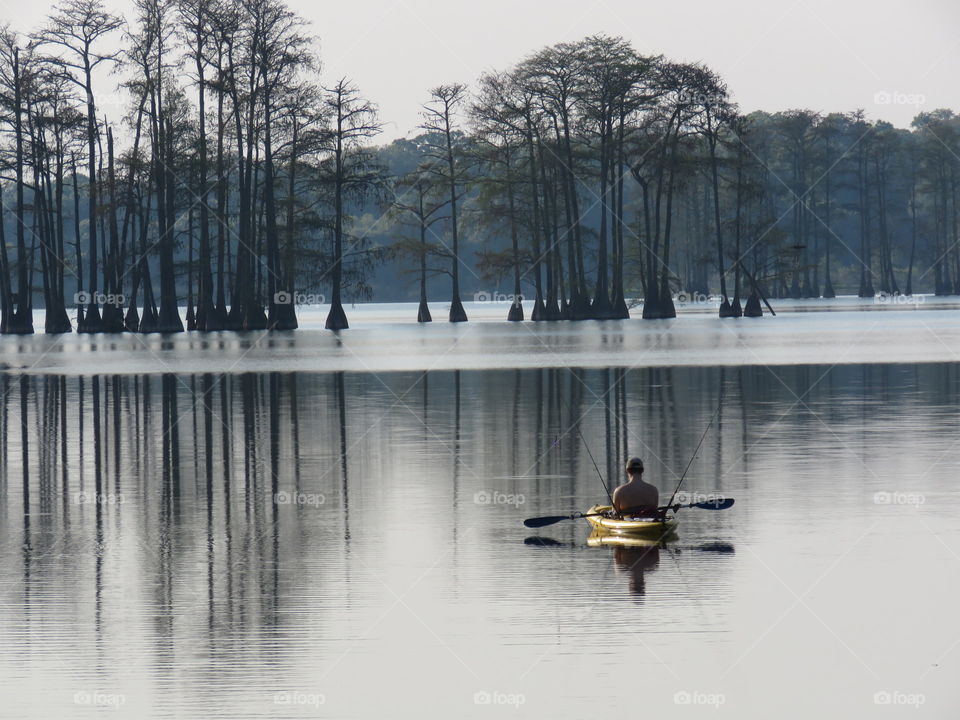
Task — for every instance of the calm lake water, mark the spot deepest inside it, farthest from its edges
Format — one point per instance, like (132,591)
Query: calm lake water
(248,531)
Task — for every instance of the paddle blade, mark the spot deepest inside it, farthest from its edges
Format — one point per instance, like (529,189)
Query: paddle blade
(718,504)
(544,521)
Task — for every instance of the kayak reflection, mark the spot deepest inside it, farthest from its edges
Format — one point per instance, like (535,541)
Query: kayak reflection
(633,555)
(637,556)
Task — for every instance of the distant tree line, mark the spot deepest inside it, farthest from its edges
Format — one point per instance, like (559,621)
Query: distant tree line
(588,175)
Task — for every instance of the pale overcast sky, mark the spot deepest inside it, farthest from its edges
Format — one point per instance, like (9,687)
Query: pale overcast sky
(827,55)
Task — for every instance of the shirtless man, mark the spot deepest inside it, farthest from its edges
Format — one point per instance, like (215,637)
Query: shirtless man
(640,497)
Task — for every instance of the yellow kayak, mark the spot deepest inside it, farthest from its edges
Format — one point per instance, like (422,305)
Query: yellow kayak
(643,527)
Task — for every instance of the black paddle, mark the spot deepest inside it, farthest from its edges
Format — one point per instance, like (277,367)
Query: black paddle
(718,546)
(718,504)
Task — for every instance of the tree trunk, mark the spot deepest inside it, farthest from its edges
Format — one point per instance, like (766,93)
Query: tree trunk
(725,309)
(537,313)
(828,291)
(21,320)
(170,321)
(337,318)
(281,316)
(515,313)
(91,319)
(618,303)
(600,307)
(112,321)
(206,317)
(457,313)
(423,312)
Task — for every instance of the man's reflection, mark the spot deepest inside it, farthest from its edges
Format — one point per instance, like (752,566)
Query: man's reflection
(635,556)
(636,561)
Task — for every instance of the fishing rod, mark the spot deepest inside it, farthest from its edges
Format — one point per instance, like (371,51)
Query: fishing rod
(606,489)
(576,425)
(702,438)
(595,467)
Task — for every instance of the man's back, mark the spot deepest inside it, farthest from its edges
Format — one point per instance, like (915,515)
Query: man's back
(640,497)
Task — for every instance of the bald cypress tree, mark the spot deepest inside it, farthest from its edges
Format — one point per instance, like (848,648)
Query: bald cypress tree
(440,120)
(18,315)
(349,173)
(77,33)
